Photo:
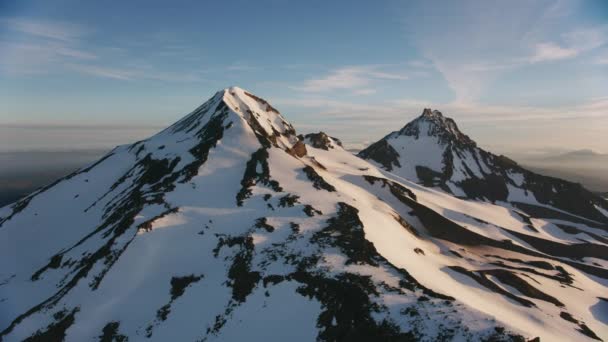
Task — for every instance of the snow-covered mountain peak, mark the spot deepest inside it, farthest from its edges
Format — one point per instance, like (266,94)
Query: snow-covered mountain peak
(432,123)
(261,116)
(235,106)
(433,151)
(227,226)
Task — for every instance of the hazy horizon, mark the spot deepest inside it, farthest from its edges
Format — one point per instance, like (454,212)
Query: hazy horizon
(515,76)
(29,166)
(70,137)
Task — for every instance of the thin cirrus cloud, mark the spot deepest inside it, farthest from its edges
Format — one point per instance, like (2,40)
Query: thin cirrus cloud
(357,79)
(602,60)
(576,43)
(487,39)
(135,72)
(36,58)
(105,72)
(43,46)
(55,30)
(551,51)
(36,46)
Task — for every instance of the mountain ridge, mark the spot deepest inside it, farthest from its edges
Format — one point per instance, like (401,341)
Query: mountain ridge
(228,225)
(437,154)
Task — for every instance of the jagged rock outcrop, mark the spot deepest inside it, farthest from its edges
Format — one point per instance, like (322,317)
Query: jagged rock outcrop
(321,140)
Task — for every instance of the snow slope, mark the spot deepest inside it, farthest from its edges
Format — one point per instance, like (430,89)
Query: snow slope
(227,225)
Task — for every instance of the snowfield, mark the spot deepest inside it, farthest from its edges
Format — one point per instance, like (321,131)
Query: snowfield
(227,225)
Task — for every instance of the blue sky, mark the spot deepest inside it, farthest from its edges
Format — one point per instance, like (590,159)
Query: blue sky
(516,75)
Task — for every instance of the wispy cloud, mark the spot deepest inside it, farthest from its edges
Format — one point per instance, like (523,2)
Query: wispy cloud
(135,73)
(601,60)
(587,39)
(94,70)
(420,64)
(42,46)
(550,52)
(240,66)
(55,30)
(576,42)
(355,78)
(401,110)
(38,57)
(364,91)
(474,43)
(46,46)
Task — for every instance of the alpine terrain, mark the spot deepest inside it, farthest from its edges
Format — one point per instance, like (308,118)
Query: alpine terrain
(229,226)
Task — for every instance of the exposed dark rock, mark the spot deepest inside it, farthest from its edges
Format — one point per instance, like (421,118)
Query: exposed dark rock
(568,317)
(317,180)
(298,149)
(147,225)
(56,330)
(500,335)
(406,225)
(243,280)
(54,263)
(347,309)
(544,212)
(535,263)
(481,279)
(288,200)
(252,177)
(178,287)
(491,187)
(429,177)
(110,333)
(208,136)
(440,126)
(179,284)
(269,108)
(310,211)
(262,223)
(573,230)
(582,327)
(456,253)
(351,237)
(574,251)
(511,279)
(321,141)
(396,189)
(382,153)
